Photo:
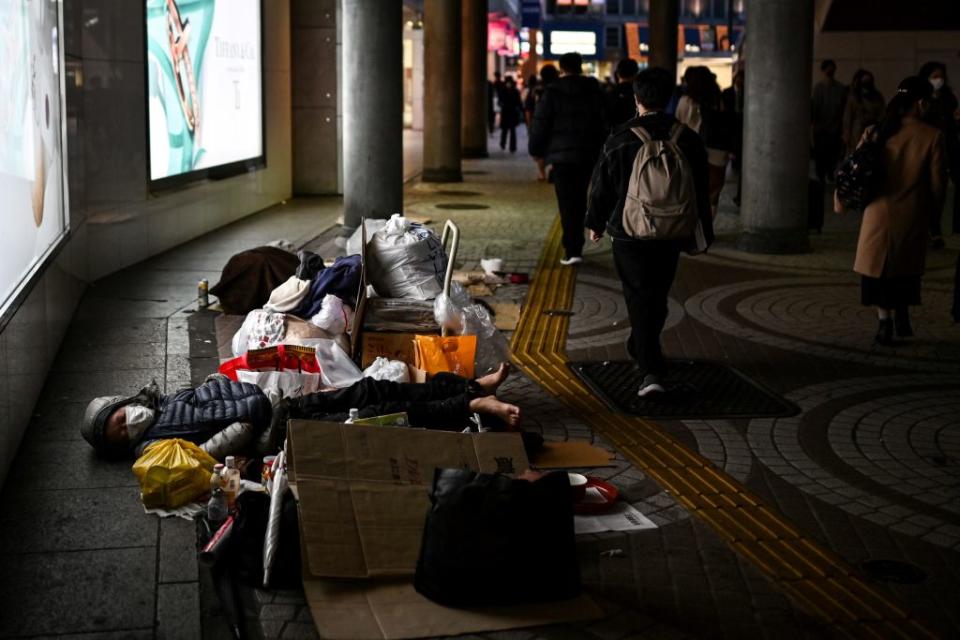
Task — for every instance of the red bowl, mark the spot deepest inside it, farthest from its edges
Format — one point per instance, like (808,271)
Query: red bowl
(578,486)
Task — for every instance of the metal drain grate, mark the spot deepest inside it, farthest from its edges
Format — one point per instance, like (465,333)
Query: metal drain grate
(696,389)
(461,206)
(454,192)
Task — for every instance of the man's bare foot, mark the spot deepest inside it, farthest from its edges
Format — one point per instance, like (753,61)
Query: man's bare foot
(492,381)
(509,413)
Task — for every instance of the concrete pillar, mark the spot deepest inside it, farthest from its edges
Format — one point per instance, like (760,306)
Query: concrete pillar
(664,18)
(441,109)
(316,131)
(777,126)
(372,110)
(474,81)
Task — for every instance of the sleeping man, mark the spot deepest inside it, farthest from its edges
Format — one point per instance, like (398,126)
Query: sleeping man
(224,417)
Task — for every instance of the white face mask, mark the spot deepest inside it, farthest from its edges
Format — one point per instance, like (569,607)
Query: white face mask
(937,83)
(138,419)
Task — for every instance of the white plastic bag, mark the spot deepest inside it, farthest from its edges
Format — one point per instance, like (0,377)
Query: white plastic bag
(406,260)
(260,329)
(292,383)
(384,369)
(334,316)
(272,536)
(336,367)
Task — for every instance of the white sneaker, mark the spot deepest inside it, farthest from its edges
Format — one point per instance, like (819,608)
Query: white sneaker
(571,261)
(651,385)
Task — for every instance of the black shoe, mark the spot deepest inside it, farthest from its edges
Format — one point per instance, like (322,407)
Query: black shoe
(652,385)
(902,323)
(884,335)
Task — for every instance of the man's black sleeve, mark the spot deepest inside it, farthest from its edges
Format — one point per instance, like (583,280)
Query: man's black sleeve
(541,127)
(602,196)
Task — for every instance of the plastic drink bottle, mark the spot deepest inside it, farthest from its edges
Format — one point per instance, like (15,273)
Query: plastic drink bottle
(217,510)
(231,482)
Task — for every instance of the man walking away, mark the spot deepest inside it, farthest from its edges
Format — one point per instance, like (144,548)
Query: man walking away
(621,105)
(650,192)
(510,114)
(827,104)
(568,132)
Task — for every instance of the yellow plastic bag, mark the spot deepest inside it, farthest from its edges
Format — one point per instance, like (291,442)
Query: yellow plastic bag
(455,354)
(173,473)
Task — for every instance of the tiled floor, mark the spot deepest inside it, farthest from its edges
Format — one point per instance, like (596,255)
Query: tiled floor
(870,469)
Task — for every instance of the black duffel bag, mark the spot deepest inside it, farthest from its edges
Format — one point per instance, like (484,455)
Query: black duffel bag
(491,540)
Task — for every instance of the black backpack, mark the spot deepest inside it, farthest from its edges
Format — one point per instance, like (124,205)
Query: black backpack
(860,177)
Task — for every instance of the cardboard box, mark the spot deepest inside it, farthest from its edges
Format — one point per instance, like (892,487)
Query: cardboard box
(363,490)
(363,497)
(393,346)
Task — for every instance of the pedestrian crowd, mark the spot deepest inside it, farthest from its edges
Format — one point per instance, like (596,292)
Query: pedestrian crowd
(644,161)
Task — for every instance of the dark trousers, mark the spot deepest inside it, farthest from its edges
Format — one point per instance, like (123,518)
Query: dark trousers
(571,182)
(513,138)
(646,270)
(956,293)
(441,403)
(826,154)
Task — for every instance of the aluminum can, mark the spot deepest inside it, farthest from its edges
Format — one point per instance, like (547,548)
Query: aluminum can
(203,294)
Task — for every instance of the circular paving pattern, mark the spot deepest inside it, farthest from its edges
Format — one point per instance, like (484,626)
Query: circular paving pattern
(600,314)
(823,317)
(893,451)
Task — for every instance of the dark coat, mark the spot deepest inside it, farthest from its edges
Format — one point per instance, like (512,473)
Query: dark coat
(342,279)
(895,226)
(510,108)
(611,176)
(199,414)
(621,104)
(569,122)
(250,277)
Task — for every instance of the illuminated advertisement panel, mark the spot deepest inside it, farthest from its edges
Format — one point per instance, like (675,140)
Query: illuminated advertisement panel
(31,141)
(204,87)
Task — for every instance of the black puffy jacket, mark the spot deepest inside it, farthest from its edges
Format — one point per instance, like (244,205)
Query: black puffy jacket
(569,123)
(199,414)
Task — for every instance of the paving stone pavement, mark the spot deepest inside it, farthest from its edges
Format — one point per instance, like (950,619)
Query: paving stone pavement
(869,468)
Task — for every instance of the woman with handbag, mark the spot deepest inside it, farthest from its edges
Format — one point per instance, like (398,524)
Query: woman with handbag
(891,249)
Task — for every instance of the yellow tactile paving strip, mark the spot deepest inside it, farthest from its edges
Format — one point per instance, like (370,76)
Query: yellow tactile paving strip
(817,579)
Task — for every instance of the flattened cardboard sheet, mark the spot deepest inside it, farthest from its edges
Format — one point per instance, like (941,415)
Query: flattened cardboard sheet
(573,454)
(393,610)
(363,489)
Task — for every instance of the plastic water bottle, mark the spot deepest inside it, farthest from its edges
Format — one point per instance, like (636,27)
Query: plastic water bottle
(217,510)
(231,482)
(354,414)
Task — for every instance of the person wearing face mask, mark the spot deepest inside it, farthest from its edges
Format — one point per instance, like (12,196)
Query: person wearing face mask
(224,417)
(943,113)
(864,108)
(221,416)
(892,245)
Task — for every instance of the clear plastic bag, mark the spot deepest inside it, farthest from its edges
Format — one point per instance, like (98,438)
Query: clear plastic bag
(459,315)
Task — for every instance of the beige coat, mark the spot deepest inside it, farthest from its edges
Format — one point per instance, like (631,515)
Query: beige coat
(895,227)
